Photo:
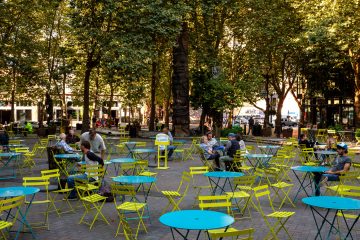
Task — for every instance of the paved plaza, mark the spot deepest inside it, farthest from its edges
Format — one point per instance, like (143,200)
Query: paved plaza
(300,226)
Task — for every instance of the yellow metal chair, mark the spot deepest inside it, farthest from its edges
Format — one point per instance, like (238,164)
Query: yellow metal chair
(162,155)
(239,164)
(128,233)
(219,202)
(130,207)
(11,141)
(205,162)
(196,171)
(9,205)
(352,192)
(28,161)
(233,233)
(281,217)
(42,183)
(243,197)
(307,157)
(176,197)
(55,174)
(92,202)
(321,135)
(251,148)
(189,151)
(142,169)
(346,179)
(357,140)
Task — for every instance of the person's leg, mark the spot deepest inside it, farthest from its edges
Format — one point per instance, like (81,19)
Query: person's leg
(331,177)
(317,178)
(215,157)
(224,162)
(71,184)
(171,150)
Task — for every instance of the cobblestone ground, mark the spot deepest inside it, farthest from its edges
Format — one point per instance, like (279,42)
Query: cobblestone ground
(300,226)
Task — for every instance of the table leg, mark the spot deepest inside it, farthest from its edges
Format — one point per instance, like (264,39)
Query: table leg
(24,221)
(185,237)
(301,185)
(323,221)
(332,225)
(352,226)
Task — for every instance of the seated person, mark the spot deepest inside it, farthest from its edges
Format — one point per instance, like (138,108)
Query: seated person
(209,153)
(63,145)
(330,143)
(4,138)
(340,166)
(170,147)
(90,158)
(241,143)
(231,147)
(213,142)
(71,138)
(304,141)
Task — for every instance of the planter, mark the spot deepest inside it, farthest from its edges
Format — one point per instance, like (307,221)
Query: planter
(287,133)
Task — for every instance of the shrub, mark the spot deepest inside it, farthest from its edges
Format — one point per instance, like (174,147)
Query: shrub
(234,129)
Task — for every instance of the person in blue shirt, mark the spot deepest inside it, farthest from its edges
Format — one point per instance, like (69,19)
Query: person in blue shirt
(63,145)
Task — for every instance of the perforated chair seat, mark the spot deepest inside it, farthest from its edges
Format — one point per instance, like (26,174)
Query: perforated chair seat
(131,206)
(239,194)
(171,193)
(93,198)
(4,224)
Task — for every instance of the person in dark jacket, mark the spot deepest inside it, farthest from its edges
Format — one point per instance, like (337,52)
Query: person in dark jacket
(231,147)
(4,138)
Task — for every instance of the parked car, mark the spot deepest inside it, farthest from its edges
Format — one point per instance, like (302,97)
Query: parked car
(288,122)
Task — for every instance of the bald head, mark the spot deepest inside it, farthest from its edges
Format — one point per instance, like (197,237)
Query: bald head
(62,136)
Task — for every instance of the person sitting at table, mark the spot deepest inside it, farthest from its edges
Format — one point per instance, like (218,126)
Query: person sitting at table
(330,143)
(213,142)
(96,142)
(340,166)
(4,138)
(209,153)
(91,159)
(170,147)
(71,138)
(231,147)
(63,145)
(303,141)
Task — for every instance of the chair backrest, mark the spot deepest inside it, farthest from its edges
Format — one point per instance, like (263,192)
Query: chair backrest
(244,234)
(51,137)
(22,150)
(123,192)
(184,183)
(219,201)
(198,170)
(40,182)
(262,192)
(245,181)
(95,171)
(250,148)
(349,191)
(140,144)
(53,173)
(11,203)
(44,142)
(14,141)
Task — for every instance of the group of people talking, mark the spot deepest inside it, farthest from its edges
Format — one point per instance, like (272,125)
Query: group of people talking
(212,149)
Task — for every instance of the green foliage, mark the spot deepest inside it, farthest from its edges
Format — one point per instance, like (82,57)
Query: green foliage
(235,129)
(357,133)
(337,127)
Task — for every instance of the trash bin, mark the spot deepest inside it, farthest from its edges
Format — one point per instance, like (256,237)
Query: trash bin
(256,131)
(287,133)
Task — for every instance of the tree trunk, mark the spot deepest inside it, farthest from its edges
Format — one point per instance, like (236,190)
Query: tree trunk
(217,121)
(357,95)
(202,121)
(180,85)
(230,118)
(153,92)
(86,117)
(278,127)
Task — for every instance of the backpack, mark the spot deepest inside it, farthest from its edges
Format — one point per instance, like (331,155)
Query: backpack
(105,191)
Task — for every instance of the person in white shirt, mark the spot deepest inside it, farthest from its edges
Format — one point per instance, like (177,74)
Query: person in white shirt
(170,147)
(96,141)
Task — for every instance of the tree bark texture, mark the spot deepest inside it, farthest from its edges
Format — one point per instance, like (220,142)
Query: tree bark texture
(153,94)
(86,117)
(180,85)
(278,126)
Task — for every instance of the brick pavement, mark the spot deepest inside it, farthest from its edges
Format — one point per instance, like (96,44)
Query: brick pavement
(300,226)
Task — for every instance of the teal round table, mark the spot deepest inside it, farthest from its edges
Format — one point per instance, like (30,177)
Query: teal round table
(142,153)
(118,161)
(137,180)
(261,160)
(269,149)
(67,156)
(215,177)
(195,220)
(9,192)
(68,162)
(308,170)
(336,204)
(5,160)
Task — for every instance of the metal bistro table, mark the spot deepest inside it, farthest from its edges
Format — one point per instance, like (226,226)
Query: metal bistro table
(261,160)
(67,163)
(130,146)
(215,184)
(269,149)
(142,153)
(339,205)
(324,154)
(137,180)
(195,220)
(9,192)
(5,163)
(308,170)
(118,161)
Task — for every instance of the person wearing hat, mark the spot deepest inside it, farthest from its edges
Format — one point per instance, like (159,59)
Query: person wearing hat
(231,147)
(96,141)
(339,166)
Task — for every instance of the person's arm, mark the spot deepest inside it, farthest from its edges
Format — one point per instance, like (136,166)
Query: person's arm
(228,145)
(102,147)
(346,169)
(93,157)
